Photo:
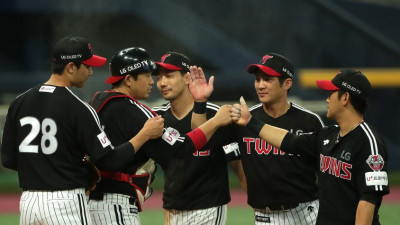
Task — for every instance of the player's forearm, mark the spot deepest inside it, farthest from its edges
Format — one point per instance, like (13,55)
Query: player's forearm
(139,140)
(273,135)
(365,213)
(210,127)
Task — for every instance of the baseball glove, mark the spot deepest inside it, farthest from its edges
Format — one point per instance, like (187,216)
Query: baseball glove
(94,176)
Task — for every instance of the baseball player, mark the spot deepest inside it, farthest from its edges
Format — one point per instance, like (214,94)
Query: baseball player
(119,195)
(196,188)
(282,187)
(352,174)
(49,130)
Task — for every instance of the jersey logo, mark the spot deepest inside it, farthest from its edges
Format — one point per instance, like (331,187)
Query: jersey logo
(48,89)
(376,178)
(345,155)
(326,142)
(376,162)
(170,135)
(103,139)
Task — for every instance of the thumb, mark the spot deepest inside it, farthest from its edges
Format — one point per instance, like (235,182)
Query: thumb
(211,82)
(242,101)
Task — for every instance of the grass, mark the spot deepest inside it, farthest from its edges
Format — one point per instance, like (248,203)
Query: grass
(389,215)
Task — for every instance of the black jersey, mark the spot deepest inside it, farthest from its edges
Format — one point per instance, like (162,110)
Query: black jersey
(349,167)
(47,132)
(201,180)
(123,117)
(273,176)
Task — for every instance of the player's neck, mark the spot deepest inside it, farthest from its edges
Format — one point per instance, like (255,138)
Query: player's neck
(348,123)
(181,105)
(59,80)
(276,109)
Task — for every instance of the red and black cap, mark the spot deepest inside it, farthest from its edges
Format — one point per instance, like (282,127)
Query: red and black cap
(78,50)
(348,80)
(174,61)
(273,64)
(131,61)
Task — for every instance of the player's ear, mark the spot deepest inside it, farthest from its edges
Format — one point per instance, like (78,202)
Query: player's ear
(187,77)
(288,83)
(70,67)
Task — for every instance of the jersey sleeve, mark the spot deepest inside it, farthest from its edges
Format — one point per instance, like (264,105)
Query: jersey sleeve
(371,166)
(9,143)
(303,144)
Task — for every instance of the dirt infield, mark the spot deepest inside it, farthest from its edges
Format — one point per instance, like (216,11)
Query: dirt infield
(9,203)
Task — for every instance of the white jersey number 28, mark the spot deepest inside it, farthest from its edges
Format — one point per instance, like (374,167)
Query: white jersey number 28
(48,141)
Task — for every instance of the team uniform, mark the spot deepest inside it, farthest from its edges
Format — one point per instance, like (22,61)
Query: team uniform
(47,132)
(286,190)
(196,188)
(349,168)
(116,198)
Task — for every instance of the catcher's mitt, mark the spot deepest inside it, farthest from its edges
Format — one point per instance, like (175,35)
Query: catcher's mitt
(94,176)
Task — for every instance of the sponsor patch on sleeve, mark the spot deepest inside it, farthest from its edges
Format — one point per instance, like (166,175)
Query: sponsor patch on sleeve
(170,135)
(376,178)
(103,139)
(232,147)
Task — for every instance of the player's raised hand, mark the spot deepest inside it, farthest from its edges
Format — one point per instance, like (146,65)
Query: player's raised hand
(154,127)
(198,86)
(240,113)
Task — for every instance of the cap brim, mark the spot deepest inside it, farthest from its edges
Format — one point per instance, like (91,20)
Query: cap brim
(168,66)
(327,85)
(267,70)
(112,79)
(95,61)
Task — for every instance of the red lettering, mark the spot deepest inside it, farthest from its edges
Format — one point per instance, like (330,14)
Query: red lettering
(335,167)
(248,141)
(347,173)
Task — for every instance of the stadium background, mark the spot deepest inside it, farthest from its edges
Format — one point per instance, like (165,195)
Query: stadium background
(318,36)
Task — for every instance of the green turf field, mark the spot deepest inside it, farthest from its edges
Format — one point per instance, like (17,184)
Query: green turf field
(236,216)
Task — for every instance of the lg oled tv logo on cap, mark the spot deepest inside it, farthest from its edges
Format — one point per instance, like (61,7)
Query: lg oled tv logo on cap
(348,86)
(77,56)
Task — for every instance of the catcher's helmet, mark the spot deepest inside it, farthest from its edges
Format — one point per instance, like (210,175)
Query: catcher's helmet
(130,61)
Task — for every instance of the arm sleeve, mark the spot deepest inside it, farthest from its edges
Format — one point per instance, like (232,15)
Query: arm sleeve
(8,145)
(118,158)
(370,170)
(303,144)
(371,197)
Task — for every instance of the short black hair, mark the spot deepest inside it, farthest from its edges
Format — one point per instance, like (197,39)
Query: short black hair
(58,68)
(118,83)
(359,104)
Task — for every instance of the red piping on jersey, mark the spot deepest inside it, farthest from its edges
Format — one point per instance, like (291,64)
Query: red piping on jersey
(198,138)
(120,96)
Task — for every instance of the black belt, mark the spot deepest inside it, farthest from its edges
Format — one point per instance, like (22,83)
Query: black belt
(98,195)
(282,207)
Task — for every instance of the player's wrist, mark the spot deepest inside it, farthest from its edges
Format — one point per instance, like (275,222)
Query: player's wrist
(255,125)
(200,107)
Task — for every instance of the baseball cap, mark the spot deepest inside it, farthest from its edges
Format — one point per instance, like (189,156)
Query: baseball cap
(76,49)
(348,80)
(273,64)
(174,61)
